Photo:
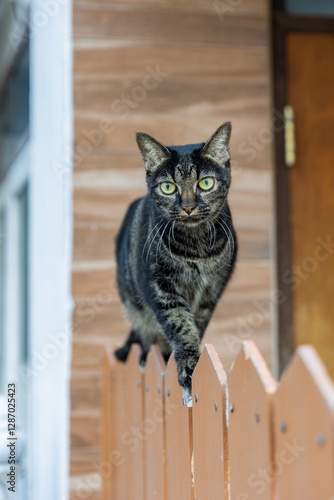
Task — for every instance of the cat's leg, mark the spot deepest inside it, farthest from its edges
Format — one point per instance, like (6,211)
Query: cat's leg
(122,353)
(202,318)
(178,324)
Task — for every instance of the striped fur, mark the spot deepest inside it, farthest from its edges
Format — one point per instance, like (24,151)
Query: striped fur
(172,266)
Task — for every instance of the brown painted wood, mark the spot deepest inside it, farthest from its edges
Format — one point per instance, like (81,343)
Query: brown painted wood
(178,438)
(216,71)
(283,24)
(107,424)
(155,425)
(304,429)
(249,64)
(118,451)
(310,83)
(155,25)
(251,388)
(250,8)
(209,427)
(134,434)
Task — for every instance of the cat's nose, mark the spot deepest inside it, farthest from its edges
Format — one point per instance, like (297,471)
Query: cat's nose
(188,205)
(188,209)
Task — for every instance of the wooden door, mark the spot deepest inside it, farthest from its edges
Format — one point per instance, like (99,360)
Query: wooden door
(310,91)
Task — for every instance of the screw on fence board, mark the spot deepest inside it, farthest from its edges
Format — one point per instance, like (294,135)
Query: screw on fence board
(146,388)
(282,426)
(138,384)
(231,407)
(196,398)
(168,393)
(320,439)
(215,405)
(257,417)
(158,390)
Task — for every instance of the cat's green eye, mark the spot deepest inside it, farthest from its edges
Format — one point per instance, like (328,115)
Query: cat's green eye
(206,183)
(167,187)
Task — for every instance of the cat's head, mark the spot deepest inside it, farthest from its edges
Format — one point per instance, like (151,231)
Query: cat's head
(188,183)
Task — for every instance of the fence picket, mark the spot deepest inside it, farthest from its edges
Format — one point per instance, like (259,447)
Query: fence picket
(251,387)
(106,427)
(133,438)
(117,454)
(178,438)
(155,424)
(209,427)
(304,429)
(245,437)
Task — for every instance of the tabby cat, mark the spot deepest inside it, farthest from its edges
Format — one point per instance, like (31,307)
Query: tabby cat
(177,247)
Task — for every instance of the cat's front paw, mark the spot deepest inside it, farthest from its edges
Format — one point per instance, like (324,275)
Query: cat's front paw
(185,369)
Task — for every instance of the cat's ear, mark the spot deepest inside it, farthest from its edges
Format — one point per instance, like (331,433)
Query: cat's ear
(153,152)
(217,148)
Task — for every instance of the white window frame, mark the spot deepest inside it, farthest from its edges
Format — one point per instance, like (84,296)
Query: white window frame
(50,252)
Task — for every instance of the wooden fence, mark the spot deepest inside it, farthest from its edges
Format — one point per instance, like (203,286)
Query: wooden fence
(246,436)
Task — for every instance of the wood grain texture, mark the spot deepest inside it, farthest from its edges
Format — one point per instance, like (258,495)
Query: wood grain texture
(304,429)
(133,58)
(257,8)
(251,388)
(209,427)
(310,91)
(134,436)
(178,436)
(118,451)
(156,425)
(155,25)
(213,63)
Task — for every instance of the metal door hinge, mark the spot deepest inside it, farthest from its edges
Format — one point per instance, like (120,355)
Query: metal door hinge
(289,136)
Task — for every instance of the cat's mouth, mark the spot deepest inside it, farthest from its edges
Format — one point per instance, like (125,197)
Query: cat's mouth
(191,220)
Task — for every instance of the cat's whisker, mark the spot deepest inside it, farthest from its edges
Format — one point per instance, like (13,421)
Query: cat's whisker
(157,232)
(160,241)
(209,227)
(214,232)
(228,239)
(150,234)
(226,215)
(226,225)
(170,251)
(173,229)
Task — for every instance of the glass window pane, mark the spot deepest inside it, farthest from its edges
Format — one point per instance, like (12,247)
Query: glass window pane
(2,297)
(14,111)
(310,7)
(23,248)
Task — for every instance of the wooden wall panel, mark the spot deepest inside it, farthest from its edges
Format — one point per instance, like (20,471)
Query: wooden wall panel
(214,66)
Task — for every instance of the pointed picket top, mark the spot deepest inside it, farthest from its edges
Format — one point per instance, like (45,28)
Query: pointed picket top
(178,438)
(304,429)
(209,427)
(133,359)
(251,387)
(155,419)
(134,434)
(107,422)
